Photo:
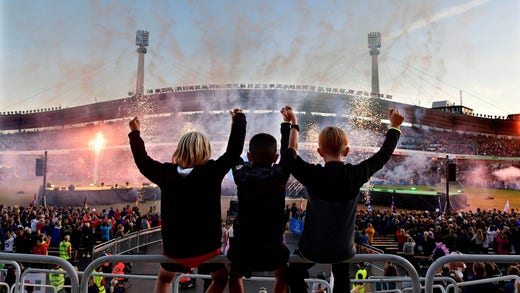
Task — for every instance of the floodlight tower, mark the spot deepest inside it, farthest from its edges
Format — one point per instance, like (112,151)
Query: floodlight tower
(374,43)
(141,40)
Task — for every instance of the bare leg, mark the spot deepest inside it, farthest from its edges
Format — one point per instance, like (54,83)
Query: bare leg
(281,281)
(235,282)
(163,282)
(220,279)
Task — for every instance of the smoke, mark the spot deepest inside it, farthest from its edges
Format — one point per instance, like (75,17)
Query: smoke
(477,176)
(409,168)
(509,173)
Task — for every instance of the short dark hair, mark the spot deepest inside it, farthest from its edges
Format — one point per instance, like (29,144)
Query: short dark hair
(262,148)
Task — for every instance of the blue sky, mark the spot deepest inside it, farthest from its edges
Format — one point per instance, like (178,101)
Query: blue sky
(71,53)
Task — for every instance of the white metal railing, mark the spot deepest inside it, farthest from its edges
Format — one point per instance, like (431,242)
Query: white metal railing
(176,281)
(131,242)
(412,275)
(36,258)
(405,264)
(17,269)
(482,281)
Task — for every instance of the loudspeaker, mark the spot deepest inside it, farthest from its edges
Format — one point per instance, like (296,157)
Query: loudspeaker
(452,172)
(39,167)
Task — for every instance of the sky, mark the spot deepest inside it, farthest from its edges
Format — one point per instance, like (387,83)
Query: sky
(70,53)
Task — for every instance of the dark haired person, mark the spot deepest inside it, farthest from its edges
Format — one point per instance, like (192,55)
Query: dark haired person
(257,244)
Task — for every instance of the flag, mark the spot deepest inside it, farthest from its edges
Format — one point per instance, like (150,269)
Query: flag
(34,200)
(369,206)
(85,203)
(392,205)
(506,207)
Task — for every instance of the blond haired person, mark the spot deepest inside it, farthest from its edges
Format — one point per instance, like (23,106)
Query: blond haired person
(190,200)
(333,194)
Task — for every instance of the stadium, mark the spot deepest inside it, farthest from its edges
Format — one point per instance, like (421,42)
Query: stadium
(83,149)
(475,144)
(82,153)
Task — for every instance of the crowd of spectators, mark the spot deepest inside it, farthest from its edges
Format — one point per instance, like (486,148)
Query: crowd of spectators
(413,138)
(25,229)
(430,235)
(482,231)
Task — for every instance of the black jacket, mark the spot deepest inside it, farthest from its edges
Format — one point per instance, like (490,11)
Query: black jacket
(328,234)
(190,205)
(261,201)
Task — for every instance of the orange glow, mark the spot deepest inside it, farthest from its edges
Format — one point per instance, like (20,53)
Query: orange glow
(96,149)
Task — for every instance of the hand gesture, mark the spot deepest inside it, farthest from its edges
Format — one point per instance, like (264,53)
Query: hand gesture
(288,115)
(134,124)
(396,118)
(234,112)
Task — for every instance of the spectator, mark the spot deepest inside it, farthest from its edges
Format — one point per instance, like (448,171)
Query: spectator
(333,192)
(401,237)
(65,248)
(87,237)
(362,239)
(9,243)
(57,280)
(502,243)
(190,185)
(389,271)
(258,242)
(510,286)
(479,273)
(370,231)
(105,231)
(409,245)
(361,274)
(120,231)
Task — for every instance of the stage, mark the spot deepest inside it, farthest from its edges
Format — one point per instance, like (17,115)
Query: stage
(416,199)
(99,195)
(104,195)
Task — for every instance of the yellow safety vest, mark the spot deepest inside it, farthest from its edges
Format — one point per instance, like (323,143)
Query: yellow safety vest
(64,250)
(57,280)
(97,281)
(363,273)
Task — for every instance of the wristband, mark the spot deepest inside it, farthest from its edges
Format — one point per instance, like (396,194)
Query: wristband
(396,129)
(295,126)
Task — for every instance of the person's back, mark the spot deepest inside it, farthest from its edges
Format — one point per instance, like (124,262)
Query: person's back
(261,196)
(257,244)
(190,185)
(65,248)
(334,191)
(328,234)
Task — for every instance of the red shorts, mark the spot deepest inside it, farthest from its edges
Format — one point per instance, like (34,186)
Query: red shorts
(194,262)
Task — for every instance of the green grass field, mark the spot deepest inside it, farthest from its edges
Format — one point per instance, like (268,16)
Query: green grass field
(478,197)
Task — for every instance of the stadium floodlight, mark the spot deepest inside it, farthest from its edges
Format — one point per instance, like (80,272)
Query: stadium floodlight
(374,40)
(374,43)
(141,38)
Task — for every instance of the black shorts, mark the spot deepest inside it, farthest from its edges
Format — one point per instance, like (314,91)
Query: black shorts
(255,260)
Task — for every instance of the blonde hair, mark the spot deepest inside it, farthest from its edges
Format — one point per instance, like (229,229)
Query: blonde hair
(193,149)
(332,140)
